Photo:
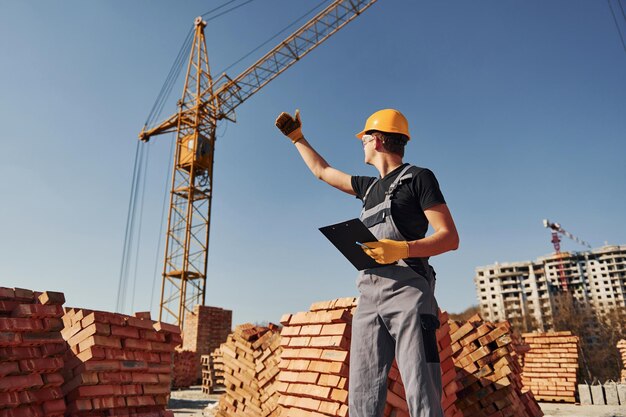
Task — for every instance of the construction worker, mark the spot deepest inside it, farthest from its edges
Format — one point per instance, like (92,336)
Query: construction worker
(397,314)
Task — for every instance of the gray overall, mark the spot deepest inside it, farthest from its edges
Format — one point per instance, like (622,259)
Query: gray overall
(396,316)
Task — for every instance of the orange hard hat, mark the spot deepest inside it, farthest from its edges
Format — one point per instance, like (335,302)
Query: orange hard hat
(387,120)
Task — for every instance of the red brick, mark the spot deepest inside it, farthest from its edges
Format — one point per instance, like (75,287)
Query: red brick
(143,315)
(10,399)
(55,349)
(36,338)
(98,390)
(114,377)
(166,327)
(103,317)
(132,389)
(156,389)
(13,353)
(106,403)
(140,401)
(101,341)
(92,352)
(152,336)
(27,411)
(10,339)
(7,293)
(53,379)
(20,324)
(145,378)
(52,324)
(120,354)
(158,368)
(22,382)
(54,407)
(6,307)
(52,297)
(174,339)
(24,294)
(41,365)
(37,311)
(124,331)
(137,344)
(139,323)
(104,365)
(8,368)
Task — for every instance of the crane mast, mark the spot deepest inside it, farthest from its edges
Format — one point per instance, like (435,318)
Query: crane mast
(204,103)
(556,242)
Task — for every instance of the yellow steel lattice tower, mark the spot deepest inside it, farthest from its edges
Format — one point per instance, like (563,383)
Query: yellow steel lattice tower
(202,105)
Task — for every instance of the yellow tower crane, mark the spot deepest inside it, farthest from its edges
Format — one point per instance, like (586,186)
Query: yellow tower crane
(203,104)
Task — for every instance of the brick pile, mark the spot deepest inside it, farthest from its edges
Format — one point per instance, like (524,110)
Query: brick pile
(205,329)
(396,400)
(117,365)
(31,353)
(551,365)
(314,362)
(212,372)
(250,356)
(621,346)
(184,368)
(488,373)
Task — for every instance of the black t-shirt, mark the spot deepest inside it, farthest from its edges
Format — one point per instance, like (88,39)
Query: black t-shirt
(410,199)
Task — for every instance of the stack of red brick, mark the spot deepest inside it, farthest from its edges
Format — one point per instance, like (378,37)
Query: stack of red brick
(184,369)
(213,372)
(396,399)
(205,329)
(621,346)
(250,356)
(117,365)
(31,353)
(551,365)
(488,373)
(314,363)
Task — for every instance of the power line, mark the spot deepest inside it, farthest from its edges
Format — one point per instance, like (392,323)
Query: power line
(619,31)
(217,8)
(228,10)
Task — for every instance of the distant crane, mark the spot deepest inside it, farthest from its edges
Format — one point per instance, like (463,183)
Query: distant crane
(556,241)
(204,103)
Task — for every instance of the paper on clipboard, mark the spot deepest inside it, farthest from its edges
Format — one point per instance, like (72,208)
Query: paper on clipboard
(345,236)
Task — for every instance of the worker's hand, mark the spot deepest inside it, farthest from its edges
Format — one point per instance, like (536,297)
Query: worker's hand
(387,251)
(290,126)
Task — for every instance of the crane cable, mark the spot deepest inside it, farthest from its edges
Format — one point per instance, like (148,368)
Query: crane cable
(136,199)
(162,222)
(275,35)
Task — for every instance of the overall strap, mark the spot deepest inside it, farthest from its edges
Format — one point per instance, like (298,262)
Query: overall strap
(401,177)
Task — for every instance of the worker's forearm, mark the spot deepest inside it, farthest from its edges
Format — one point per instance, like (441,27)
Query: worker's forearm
(439,242)
(311,158)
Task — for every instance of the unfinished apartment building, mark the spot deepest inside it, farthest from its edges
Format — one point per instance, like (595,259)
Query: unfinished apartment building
(521,291)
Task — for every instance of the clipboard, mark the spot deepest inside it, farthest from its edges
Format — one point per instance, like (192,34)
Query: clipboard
(344,236)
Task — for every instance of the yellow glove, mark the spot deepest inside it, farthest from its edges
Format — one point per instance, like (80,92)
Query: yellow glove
(290,126)
(387,251)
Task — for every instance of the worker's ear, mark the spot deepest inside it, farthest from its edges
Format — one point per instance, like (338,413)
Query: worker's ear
(378,144)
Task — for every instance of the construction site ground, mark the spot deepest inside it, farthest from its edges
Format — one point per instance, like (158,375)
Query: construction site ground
(193,403)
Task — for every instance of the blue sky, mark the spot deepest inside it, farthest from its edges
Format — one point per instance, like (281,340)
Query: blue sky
(518,108)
